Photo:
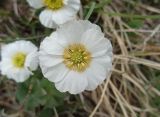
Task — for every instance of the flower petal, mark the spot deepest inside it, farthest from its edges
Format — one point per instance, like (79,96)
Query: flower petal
(51,46)
(48,60)
(96,43)
(98,71)
(21,75)
(74,83)
(75,4)
(26,46)
(55,73)
(63,15)
(45,18)
(77,28)
(32,61)
(18,46)
(66,13)
(36,3)
(6,65)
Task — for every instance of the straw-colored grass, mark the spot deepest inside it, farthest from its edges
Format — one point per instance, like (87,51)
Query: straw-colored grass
(127,91)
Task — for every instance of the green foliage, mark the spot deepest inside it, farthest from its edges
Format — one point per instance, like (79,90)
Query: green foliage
(21,92)
(155,79)
(136,23)
(156,83)
(35,92)
(52,97)
(93,6)
(47,112)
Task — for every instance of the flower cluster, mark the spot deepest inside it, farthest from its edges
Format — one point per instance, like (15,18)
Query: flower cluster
(76,57)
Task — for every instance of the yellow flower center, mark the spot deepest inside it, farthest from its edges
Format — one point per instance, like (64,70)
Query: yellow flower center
(54,4)
(18,59)
(77,57)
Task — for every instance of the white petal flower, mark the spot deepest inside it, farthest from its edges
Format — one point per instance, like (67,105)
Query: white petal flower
(76,57)
(19,59)
(56,12)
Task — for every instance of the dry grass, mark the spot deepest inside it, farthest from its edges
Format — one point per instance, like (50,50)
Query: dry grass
(128,90)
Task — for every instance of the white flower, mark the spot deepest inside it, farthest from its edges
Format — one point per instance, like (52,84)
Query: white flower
(56,12)
(18,60)
(76,57)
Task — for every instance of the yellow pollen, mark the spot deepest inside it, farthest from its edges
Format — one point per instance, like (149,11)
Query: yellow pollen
(18,59)
(53,4)
(77,57)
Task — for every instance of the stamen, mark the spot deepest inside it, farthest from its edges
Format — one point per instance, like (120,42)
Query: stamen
(18,59)
(54,4)
(77,57)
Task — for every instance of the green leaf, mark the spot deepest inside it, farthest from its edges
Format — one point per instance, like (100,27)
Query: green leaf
(53,97)
(43,92)
(46,113)
(32,102)
(32,98)
(136,23)
(22,91)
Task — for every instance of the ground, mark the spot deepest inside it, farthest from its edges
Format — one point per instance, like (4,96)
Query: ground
(131,90)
